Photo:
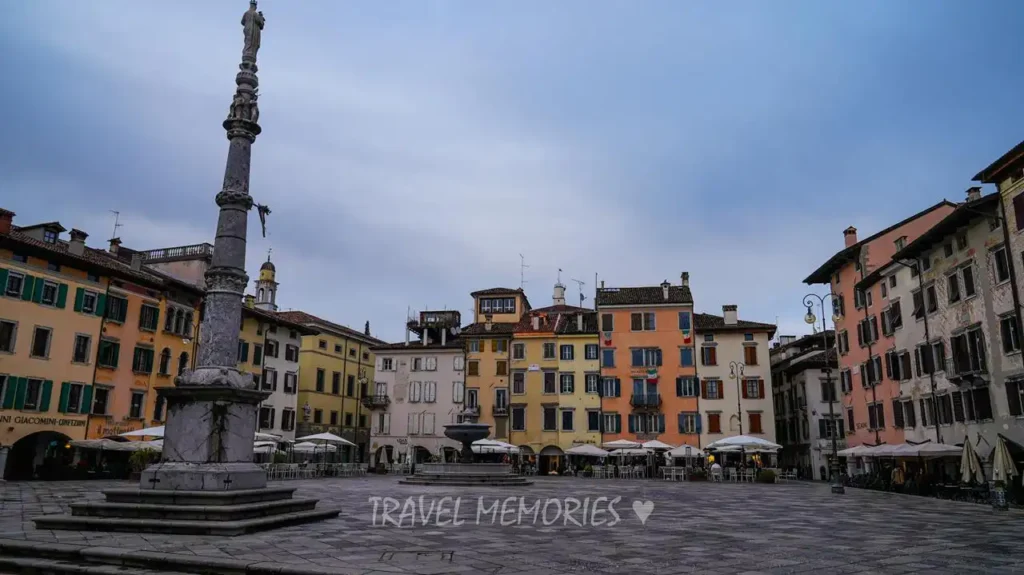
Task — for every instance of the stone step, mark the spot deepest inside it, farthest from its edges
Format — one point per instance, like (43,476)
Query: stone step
(222,528)
(49,558)
(190,512)
(169,496)
(456,482)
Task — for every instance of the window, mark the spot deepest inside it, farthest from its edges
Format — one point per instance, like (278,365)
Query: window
(518,419)
(947,249)
(148,317)
(590,351)
(473,368)
(895,315)
(518,351)
(417,364)
(885,293)
(641,321)
(568,383)
(953,287)
(607,323)
(909,417)
(687,387)
(844,342)
(1010,332)
(612,423)
(867,331)
(592,382)
(291,353)
(709,337)
(474,346)
(88,302)
(607,358)
(961,241)
(350,386)
(646,357)
(501,367)
(430,391)
(750,354)
(351,352)
(860,298)
(137,404)
(49,296)
(926,263)
(686,356)
(567,352)
(117,308)
(323,344)
(567,420)
(318,416)
(266,418)
(142,360)
(967,274)
(849,418)
(684,321)
(593,420)
(290,382)
(518,382)
(876,416)
(320,376)
(269,380)
(1000,265)
(752,388)
(549,382)
(337,348)
(334,418)
(500,346)
(549,351)
(80,352)
(257,354)
(828,390)
(459,362)
(336,383)
(712,388)
(472,396)
(968,350)
(41,342)
(610,387)
(108,353)
(846,381)
(243,351)
(755,422)
(708,356)
(688,422)
(100,398)
(15,284)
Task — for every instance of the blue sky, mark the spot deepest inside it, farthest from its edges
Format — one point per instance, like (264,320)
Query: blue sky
(412,150)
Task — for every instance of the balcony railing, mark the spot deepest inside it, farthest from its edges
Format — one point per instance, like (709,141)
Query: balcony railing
(645,400)
(179,252)
(376,401)
(499,411)
(959,370)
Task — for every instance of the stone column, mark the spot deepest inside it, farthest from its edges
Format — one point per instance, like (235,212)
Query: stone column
(212,411)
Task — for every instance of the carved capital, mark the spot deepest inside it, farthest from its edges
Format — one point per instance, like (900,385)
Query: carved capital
(226,280)
(234,197)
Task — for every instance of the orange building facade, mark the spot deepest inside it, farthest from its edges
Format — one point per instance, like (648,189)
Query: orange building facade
(866,390)
(649,388)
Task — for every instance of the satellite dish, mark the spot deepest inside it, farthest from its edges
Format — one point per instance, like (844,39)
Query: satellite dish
(455,330)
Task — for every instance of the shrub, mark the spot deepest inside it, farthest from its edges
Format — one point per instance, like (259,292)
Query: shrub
(140,459)
(280,457)
(588,471)
(766,476)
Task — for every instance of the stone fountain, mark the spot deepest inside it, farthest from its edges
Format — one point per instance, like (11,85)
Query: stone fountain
(468,471)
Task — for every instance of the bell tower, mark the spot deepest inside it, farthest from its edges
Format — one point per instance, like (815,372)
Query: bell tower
(266,286)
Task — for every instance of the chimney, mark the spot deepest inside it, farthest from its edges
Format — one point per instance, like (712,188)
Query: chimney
(77,244)
(729,313)
(250,300)
(664,289)
(488,324)
(114,244)
(535,321)
(366,329)
(850,235)
(973,194)
(407,336)
(602,284)
(137,264)
(444,336)
(684,279)
(6,221)
(579,322)
(559,296)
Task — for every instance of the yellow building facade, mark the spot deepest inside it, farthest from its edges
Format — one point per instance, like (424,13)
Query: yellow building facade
(488,339)
(336,369)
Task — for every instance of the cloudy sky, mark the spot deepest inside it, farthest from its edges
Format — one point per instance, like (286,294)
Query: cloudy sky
(412,150)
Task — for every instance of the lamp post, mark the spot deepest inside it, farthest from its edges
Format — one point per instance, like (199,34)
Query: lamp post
(837,485)
(736,372)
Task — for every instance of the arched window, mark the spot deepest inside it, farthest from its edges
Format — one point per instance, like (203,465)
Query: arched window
(273,296)
(165,361)
(169,320)
(188,325)
(259,298)
(182,362)
(179,322)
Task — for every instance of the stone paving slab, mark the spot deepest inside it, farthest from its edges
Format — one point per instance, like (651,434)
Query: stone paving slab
(693,528)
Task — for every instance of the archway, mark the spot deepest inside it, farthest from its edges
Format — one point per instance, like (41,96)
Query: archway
(550,459)
(384,454)
(421,454)
(449,454)
(39,455)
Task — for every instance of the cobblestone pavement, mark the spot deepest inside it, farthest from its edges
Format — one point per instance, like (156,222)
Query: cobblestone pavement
(693,528)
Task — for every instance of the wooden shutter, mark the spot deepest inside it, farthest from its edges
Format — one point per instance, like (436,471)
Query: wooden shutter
(26,288)
(760,389)
(37,291)
(101,304)
(661,423)
(714,423)
(606,322)
(679,387)
(703,388)
(3,280)
(19,393)
(1018,210)
(632,424)
(65,389)
(682,423)
(12,390)
(618,423)
(62,296)
(636,321)
(86,406)
(743,389)
(618,388)
(79,297)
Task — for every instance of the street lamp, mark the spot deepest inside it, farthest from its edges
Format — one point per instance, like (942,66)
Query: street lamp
(736,372)
(837,485)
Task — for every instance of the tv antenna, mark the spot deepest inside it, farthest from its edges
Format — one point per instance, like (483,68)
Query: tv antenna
(117,224)
(581,284)
(522,271)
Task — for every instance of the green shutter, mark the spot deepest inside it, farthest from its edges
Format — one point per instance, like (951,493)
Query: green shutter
(101,304)
(116,354)
(37,291)
(65,389)
(26,289)
(156,318)
(12,390)
(3,281)
(62,295)
(149,361)
(79,297)
(245,351)
(19,393)
(44,398)
(86,406)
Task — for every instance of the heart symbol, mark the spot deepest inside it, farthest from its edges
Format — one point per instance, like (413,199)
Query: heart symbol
(643,510)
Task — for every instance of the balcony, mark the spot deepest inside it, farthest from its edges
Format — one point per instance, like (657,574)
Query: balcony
(499,411)
(376,401)
(965,369)
(645,400)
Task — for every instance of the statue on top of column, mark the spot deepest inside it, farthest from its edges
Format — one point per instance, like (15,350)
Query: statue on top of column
(252,27)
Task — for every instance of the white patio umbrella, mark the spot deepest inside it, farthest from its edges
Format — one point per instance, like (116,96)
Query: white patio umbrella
(268,437)
(308,447)
(855,451)
(621,443)
(925,450)
(745,442)
(327,438)
(493,446)
(655,444)
(1003,468)
(147,432)
(970,465)
(588,450)
(685,451)
(624,451)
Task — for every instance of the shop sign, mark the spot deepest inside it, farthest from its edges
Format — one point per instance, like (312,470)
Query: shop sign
(37,420)
(117,430)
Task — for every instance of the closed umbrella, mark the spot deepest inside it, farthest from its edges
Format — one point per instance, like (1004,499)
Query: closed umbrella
(970,465)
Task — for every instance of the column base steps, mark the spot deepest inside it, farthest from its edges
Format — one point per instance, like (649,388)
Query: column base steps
(47,558)
(222,513)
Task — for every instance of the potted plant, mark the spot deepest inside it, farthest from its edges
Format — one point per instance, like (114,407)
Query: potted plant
(141,459)
(588,471)
(766,476)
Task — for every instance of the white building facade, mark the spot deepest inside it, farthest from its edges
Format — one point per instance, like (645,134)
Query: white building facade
(419,388)
(735,375)
(281,378)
